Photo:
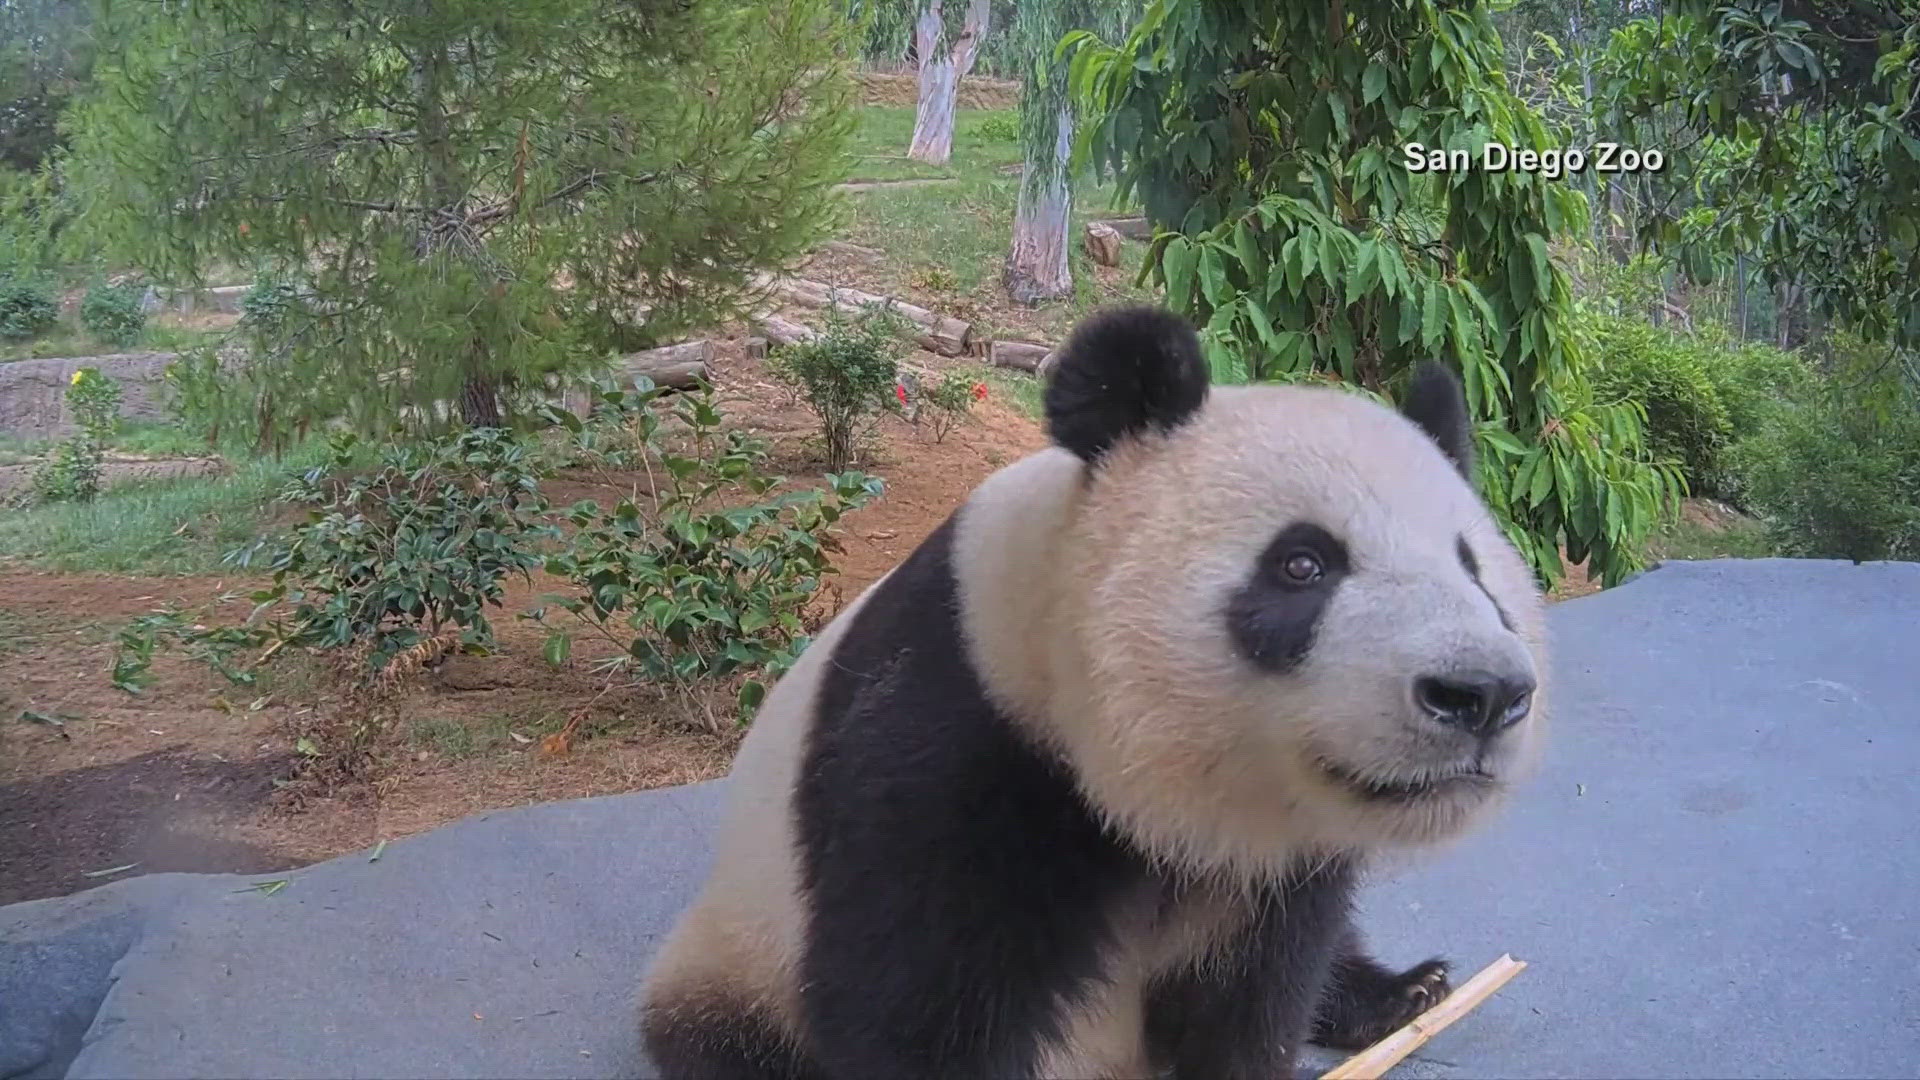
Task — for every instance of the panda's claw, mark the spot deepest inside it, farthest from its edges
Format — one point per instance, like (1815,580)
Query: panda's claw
(1369,1009)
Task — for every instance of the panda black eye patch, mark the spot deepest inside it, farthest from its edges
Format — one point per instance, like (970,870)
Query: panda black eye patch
(1273,616)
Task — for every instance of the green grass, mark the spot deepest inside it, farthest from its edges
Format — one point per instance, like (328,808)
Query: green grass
(957,233)
(68,340)
(458,739)
(179,525)
(879,146)
(1022,390)
(1743,539)
(145,438)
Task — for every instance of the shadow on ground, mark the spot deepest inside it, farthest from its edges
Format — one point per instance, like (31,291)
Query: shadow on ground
(157,813)
(1713,876)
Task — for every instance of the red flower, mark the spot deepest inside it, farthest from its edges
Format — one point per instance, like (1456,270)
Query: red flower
(900,392)
(979,391)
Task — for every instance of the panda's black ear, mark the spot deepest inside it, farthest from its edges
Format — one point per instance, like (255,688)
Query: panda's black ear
(1122,372)
(1435,401)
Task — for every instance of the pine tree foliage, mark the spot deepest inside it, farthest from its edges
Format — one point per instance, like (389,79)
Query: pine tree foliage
(471,196)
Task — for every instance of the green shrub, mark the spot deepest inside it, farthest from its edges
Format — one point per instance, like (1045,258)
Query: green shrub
(1000,125)
(949,400)
(413,550)
(1669,375)
(706,578)
(27,308)
(265,305)
(112,313)
(72,471)
(1837,476)
(845,375)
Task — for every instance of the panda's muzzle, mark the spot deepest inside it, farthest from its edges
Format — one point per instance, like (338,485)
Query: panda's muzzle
(1408,790)
(1479,703)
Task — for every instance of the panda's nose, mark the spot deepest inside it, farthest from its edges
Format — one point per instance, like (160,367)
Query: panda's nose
(1479,702)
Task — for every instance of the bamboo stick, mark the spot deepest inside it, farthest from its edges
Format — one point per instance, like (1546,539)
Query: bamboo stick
(1375,1060)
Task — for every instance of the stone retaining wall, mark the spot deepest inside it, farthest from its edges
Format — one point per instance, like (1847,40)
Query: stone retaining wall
(33,393)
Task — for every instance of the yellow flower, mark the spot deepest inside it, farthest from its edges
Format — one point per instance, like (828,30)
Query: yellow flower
(77,376)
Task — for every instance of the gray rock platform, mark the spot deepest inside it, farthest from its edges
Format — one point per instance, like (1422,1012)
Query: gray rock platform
(1716,874)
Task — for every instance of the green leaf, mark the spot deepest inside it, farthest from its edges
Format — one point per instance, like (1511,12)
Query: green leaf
(752,695)
(1213,275)
(1374,82)
(1365,271)
(1542,480)
(1542,266)
(558,646)
(1502,440)
(1433,317)
(1177,266)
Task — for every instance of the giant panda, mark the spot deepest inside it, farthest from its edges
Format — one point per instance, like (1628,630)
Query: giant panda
(1084,786)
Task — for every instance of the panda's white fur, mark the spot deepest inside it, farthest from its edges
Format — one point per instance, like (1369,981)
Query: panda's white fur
(1091,602)
(1083,626)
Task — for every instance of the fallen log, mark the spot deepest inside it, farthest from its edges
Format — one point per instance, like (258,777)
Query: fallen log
(1019,355)
(935,332)
(676,367)
(1133,228)
(842,247)
(781,331)
(1375,1060)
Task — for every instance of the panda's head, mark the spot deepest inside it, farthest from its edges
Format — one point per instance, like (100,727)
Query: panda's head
(1299,625)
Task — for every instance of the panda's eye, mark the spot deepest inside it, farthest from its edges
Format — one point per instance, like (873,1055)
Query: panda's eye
(1302,567)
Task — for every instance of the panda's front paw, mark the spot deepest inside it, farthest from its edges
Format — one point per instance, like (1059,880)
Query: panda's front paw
(1422,986)
(1364,1008)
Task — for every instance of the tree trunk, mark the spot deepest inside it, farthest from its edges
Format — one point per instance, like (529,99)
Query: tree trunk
(940,75)
(1038,267)
(480,402)
(446,194)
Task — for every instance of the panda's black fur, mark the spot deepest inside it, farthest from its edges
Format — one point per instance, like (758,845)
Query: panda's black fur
(957,887)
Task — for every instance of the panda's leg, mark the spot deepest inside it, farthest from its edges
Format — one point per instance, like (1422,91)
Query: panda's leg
(718,1038)
(1365,1000)
(1244,1010)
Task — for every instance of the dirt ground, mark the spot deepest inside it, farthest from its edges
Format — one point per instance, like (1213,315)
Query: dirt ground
(183,777)
(887,88)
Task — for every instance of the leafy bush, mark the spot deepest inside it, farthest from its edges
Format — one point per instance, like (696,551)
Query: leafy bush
(1003,126)
(393,569)
(1668,374)
(72,472)
(112,313)
(1836,476)
(950,399)
(845,375)
(27,308)
(268,302)
(415,549)
(706,578)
